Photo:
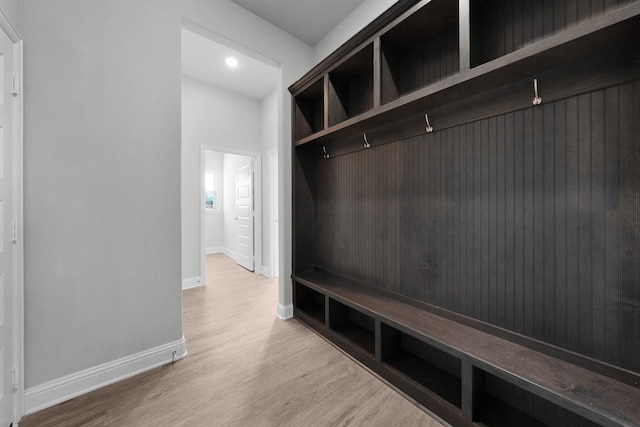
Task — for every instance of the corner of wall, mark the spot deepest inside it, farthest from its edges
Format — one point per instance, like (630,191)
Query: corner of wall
(70,386)
(284,312)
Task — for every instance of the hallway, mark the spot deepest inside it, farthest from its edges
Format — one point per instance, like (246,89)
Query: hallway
(244,368)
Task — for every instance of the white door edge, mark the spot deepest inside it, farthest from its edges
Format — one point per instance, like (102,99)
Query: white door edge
(18,253)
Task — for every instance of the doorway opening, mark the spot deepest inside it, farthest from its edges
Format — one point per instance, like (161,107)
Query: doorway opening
(232,207)
(231,111)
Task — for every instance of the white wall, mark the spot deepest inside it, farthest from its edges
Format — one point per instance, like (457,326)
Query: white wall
(362,16)
(101,182)
(245,29)
(214,117)
(213,222)
(269,143)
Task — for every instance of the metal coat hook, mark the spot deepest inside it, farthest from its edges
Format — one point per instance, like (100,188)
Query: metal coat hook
(366,143)
(325,155)
(428,128)
(536,99)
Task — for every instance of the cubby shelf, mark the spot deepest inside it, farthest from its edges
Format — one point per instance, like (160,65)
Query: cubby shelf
(310,302)
(562,49)
(420,50)
(422,363)
(353,325)
(350,87)
(309,110)
(413,345)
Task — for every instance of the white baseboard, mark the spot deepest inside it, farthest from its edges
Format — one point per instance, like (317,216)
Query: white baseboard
(265,271)
(285,312)
(220,250)
(74,385)
(193,282)
(229,253)
(209,251)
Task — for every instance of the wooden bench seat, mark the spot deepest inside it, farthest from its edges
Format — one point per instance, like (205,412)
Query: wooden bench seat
(596,397)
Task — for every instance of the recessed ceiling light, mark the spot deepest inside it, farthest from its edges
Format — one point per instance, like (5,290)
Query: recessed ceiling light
(231,62)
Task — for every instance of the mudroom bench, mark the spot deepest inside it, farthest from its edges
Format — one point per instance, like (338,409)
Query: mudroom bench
(469,374)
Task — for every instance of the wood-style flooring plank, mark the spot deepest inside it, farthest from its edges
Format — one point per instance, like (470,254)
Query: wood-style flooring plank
(244,368)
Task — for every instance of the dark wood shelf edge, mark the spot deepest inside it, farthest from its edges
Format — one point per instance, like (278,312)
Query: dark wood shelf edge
(554,51)
(623,375)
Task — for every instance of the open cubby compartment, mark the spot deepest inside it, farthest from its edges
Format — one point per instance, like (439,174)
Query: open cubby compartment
(350,88)
(499,27)
(502,403)
(310,302)
(353,325)
(422,363)
(309,106)
(420,50)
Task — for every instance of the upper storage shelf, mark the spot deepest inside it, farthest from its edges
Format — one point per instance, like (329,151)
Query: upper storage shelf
(350,87)
(421,49)
(499,27)
(429,56)
(309,110)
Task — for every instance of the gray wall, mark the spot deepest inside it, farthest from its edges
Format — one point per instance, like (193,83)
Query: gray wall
(12,9)
(269,143)
(102,182)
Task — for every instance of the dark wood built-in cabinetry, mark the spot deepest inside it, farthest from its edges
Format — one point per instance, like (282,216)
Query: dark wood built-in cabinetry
(466,207)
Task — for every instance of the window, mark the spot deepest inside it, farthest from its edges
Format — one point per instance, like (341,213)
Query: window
(210,199)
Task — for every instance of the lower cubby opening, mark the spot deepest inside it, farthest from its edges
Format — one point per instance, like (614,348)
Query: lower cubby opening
(353,325)
(310,302)
(422,363)
(502,403)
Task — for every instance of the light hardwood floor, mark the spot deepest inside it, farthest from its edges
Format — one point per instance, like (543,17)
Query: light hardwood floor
(245,368)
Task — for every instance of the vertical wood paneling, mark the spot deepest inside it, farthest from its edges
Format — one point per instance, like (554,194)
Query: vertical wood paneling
(528,228)
(573,243)
(492,216)
(549,226)
(457,238)
(509,222)
(477,220)
(527,220)
(584,222)
(519,223)
(427,61)
(560,194)
(597,226)
(504,26)
(611,180)
(538,231)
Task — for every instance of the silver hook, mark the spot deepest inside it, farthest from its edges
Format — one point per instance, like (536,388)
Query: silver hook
(326,155)
(366,143)
(536,99)
(428,128)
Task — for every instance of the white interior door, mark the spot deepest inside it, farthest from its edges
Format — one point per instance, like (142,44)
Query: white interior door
(244,217)
(6,231)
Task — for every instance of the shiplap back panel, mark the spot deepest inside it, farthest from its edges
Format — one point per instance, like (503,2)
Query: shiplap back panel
(528,220)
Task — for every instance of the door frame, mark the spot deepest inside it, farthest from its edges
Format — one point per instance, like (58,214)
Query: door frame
(18,249)
(257,205)
(273,226)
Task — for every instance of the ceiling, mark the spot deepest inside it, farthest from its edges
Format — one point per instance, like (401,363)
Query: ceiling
(306,20)
(204,60)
